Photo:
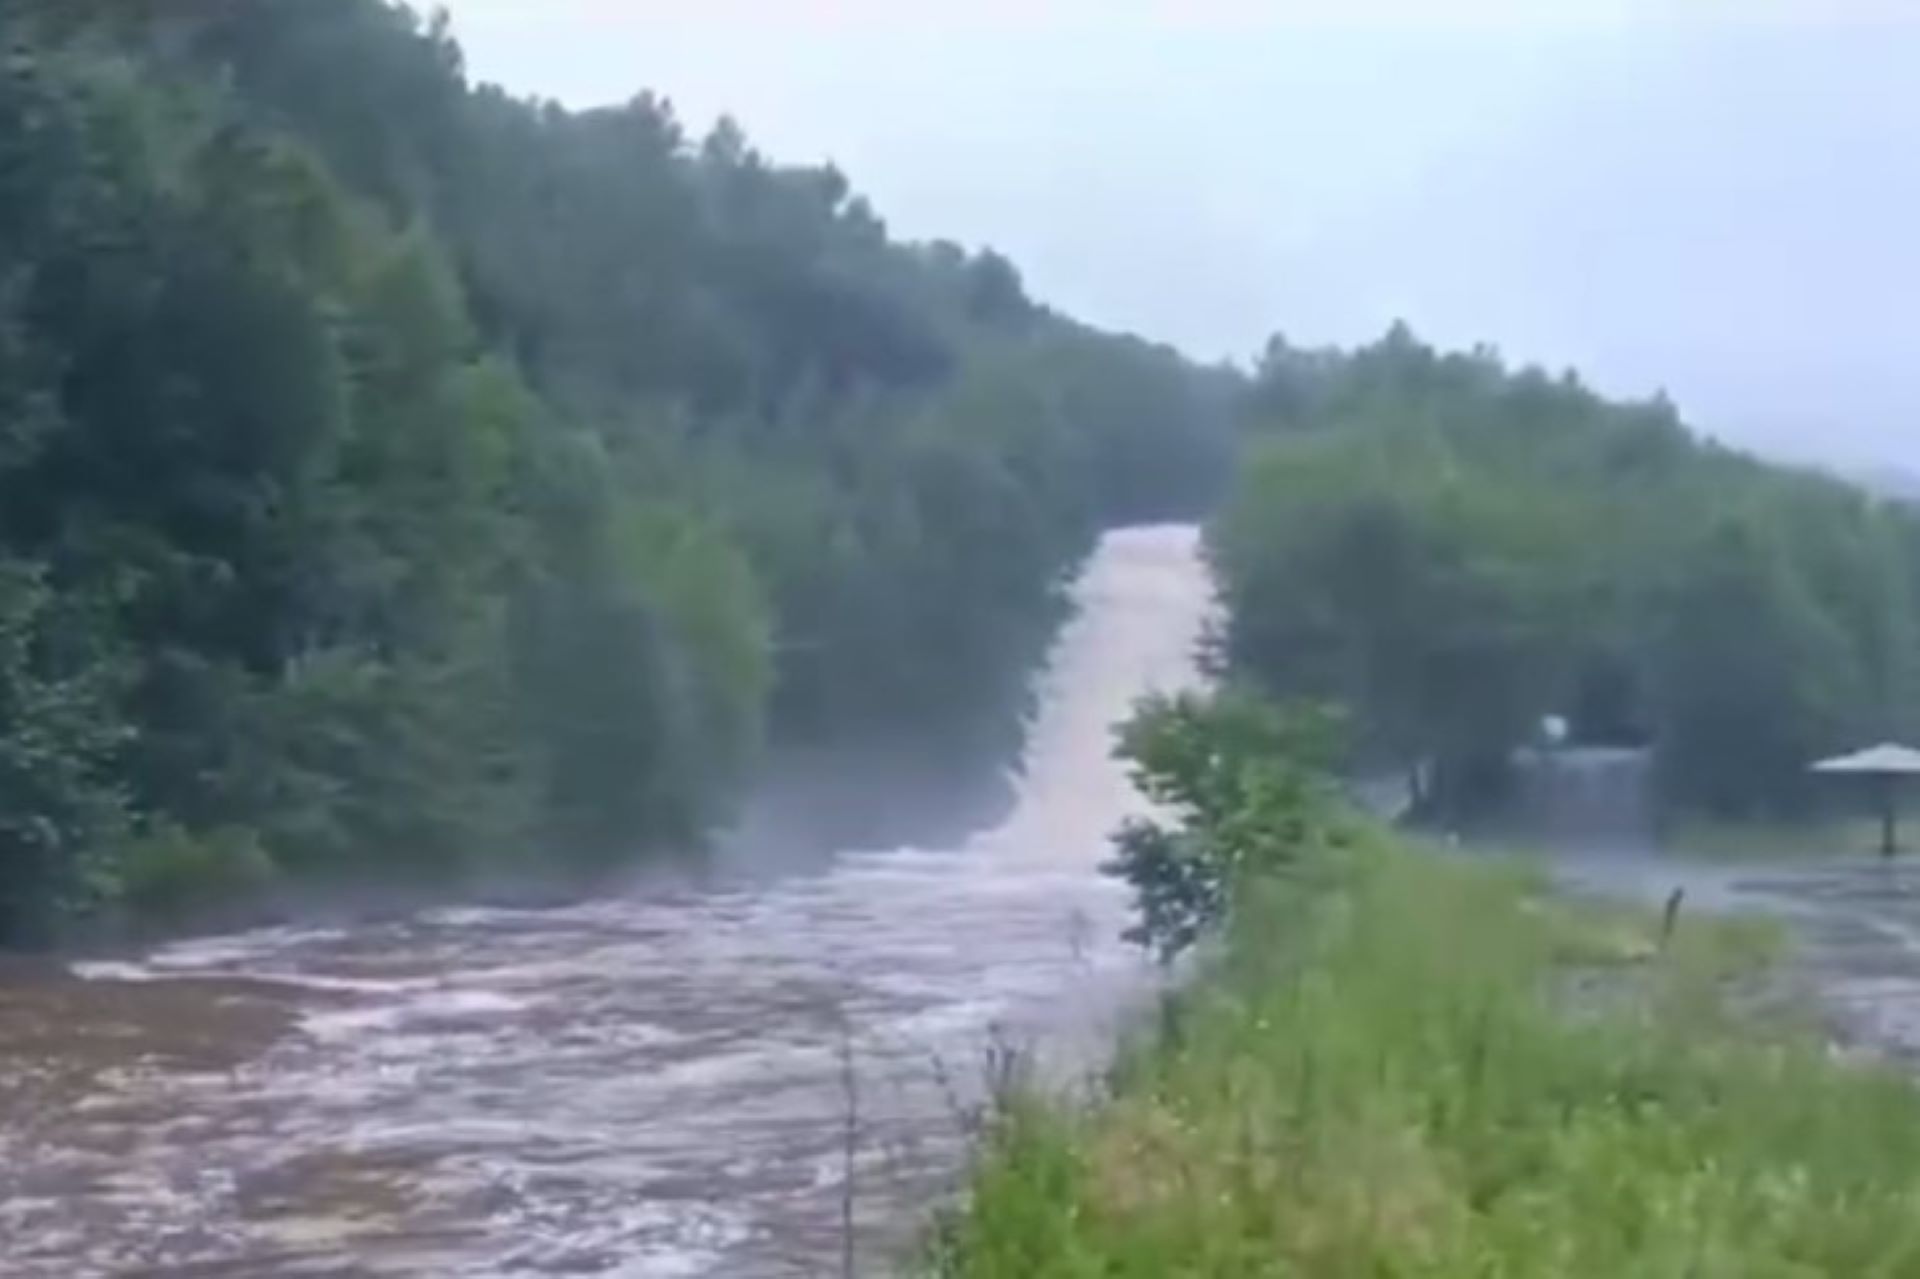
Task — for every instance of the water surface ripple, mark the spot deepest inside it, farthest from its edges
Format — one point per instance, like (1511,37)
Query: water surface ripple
(651,1085)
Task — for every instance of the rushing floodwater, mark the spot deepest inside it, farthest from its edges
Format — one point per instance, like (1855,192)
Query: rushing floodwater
(1854,918)
(648,1086)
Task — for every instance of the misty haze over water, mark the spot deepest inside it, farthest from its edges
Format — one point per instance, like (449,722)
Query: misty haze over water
(648,1086)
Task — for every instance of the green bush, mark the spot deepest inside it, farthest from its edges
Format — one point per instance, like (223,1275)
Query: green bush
(168,873)
(1243,784)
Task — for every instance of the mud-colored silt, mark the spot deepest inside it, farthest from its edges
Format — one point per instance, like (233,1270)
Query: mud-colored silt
(653,1085)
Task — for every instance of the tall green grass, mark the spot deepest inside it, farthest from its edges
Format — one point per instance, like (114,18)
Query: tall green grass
(1422,1066)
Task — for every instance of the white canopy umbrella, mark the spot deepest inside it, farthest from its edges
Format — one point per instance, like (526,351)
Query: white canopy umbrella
(1888,762)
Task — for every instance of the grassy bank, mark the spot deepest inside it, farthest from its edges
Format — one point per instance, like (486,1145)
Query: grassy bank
(1402,1064)
(1815,839)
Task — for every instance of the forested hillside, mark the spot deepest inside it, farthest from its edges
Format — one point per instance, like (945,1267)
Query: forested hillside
(400,479)
(1453,549)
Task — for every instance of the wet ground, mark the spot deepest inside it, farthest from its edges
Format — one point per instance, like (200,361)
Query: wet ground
(682,1082)
(1854,921)
(1854,918)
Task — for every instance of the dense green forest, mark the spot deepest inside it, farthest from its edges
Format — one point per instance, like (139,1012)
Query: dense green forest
(1453,550)
(403,480)
(400,478)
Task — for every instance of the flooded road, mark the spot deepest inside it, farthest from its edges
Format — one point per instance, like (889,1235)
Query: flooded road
(1854,925)
(1854,918)
(676,1083)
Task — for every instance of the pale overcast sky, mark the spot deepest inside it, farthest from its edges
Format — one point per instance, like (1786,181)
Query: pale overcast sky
(1722,199)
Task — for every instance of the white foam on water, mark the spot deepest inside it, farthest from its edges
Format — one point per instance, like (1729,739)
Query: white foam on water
(651,1085)
(112,970)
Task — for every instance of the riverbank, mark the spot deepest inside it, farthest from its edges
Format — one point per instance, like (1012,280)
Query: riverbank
(802,807)
(1420,1065)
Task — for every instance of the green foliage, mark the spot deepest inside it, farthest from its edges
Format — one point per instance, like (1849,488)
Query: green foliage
(1454,550)
(1242,784)
(412,480)
(167,874)
(1388,580)
(1750,679)
(59,808)
(1418,1065)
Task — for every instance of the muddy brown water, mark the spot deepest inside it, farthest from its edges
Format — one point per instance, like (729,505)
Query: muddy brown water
(649,1085)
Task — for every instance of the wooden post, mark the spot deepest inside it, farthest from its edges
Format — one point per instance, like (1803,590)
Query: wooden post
(1889,815)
